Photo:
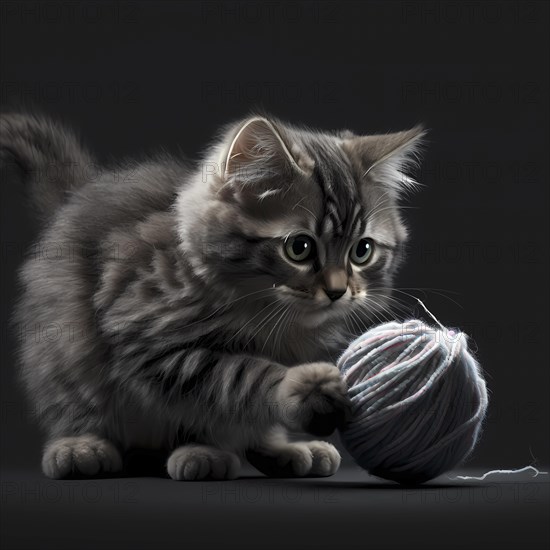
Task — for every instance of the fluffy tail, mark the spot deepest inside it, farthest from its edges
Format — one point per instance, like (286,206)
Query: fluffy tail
(47,157)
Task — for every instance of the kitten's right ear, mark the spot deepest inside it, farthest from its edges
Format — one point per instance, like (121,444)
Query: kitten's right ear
(256,152)
(387,159)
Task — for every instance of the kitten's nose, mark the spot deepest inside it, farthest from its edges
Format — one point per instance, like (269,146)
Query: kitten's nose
(335,294)
(336,282)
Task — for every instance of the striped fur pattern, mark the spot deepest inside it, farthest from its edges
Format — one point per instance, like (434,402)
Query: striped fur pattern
(180,323)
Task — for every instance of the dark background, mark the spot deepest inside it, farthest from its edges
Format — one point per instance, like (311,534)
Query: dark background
(137,77)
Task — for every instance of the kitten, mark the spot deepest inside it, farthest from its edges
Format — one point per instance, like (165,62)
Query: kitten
(200,309)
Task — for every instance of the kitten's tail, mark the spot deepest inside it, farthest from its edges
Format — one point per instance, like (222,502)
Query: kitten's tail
(45,156)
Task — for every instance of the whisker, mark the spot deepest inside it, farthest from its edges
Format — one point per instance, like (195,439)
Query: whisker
(395,303)
(378,203)
(224,306)
(266,321)
(282,328)
(291,320)
(249,321)
(424,290)
(401,207)
(382,307)
(281,316)
(358,321)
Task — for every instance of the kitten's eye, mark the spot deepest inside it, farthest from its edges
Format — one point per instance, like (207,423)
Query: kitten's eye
(300,248)
(361,251)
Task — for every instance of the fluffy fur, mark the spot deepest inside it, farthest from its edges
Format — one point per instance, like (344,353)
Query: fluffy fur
(161,310)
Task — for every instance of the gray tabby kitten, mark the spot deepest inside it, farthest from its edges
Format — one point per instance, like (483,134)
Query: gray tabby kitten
(200,309)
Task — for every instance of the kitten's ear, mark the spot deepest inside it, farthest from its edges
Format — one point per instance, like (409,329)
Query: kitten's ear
(387,159)
(257,152)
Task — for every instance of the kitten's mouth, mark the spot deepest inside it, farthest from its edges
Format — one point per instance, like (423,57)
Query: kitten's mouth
(315,300)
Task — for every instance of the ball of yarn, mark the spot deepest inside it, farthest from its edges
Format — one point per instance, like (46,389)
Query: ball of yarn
(418,400)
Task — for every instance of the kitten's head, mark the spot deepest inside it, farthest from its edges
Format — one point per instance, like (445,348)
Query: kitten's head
(305,217)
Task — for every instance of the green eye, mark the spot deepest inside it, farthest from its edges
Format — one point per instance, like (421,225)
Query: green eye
(300,248)
(361,251)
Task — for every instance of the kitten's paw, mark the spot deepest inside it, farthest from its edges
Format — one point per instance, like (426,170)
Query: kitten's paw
(195,462)
(311,458)
(314,398)
(290,460)
(85,455)
(326,459)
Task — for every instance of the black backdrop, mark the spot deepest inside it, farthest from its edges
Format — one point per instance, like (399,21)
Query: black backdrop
(136,77)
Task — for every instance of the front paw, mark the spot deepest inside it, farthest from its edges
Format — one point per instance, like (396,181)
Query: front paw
(196,462)
(85,455)
(308,459)
(314,398)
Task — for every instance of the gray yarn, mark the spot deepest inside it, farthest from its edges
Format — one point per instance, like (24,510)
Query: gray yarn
(418,400)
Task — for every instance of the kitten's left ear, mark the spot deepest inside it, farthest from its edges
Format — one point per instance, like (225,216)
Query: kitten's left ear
(256,152)
(387,159)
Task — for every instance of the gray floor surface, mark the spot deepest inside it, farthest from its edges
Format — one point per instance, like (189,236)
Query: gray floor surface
(348,510)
